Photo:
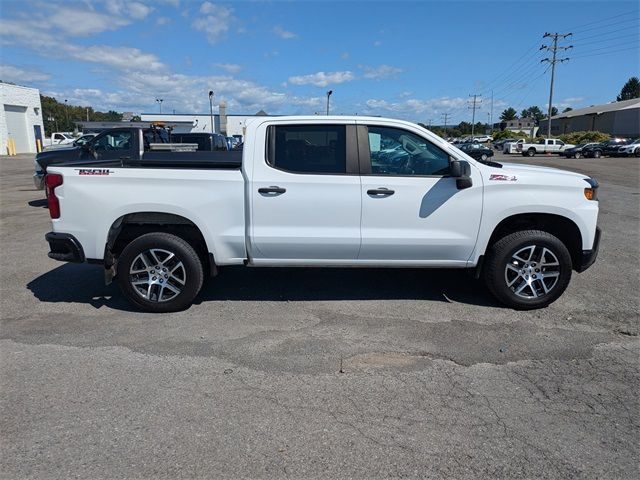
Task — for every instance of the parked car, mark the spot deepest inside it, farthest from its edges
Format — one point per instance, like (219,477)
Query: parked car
(305,192)
(606,148)
(482,139)
(630,150)
(576,152)
(205,141)
(476,150)
(499,144)
(544,145)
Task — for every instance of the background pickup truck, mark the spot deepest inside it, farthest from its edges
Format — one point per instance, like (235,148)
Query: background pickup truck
(321,191)
(544,145)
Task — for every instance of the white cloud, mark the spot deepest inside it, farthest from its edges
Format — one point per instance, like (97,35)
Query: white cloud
(214,21)
(284,34)
(10,73)
(139,10)
(322,79)
(413,107)
(345,56)
(379,72)
(162,21)
(77,22)
(124,58)
(228,67)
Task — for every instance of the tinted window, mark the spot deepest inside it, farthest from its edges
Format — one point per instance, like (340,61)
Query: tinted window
(399,152)
(114,140)
(310,148)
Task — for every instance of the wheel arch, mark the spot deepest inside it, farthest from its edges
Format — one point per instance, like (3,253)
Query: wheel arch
(565,229)
(132,225)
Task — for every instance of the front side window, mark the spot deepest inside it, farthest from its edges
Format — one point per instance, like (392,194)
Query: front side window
(310,149)
(117,140)
(398,152)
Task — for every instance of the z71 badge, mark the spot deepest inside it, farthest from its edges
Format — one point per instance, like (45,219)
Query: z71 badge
(503,178)
(93,171)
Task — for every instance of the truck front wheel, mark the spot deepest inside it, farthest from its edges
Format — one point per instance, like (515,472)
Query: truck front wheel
(528,269)
(160,272)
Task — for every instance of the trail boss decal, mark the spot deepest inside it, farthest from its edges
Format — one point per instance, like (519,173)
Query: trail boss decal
(503,178)
(93,171)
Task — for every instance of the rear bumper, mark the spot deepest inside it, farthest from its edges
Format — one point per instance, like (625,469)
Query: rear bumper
(588,257)
(64,247)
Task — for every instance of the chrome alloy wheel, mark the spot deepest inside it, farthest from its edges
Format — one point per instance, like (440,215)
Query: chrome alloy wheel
(157,275)
(532,272)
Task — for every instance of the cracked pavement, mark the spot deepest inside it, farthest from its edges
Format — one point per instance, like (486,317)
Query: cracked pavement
(319,373)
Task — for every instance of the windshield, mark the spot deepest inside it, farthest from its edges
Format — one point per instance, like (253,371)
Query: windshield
(67,136)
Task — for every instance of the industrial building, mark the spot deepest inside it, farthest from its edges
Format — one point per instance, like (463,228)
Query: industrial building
(20,118)
(621,119)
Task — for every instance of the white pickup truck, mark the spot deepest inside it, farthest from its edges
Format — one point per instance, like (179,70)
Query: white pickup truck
(324,192)
(544,145)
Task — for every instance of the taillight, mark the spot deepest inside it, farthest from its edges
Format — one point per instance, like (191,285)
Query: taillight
(51,181)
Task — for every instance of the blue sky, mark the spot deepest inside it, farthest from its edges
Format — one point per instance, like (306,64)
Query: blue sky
(412,60)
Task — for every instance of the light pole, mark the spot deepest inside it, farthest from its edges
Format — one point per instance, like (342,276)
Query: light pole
(160,100)
(211,108)
(66,113)
(328,95)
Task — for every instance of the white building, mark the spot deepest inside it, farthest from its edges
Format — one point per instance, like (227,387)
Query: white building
(20,118)
(228,125)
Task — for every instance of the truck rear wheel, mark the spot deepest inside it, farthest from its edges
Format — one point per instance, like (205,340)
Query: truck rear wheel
(531,152)
(160,272)
(528,269)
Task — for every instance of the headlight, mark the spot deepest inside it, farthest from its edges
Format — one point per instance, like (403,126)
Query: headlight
(591,192)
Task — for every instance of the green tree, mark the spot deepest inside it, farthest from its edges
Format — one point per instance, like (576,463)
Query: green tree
(532,112)
(630,90)
(568,109)
(508,114)
(63,117)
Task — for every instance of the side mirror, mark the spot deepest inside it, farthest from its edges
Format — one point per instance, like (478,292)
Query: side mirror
(461,171)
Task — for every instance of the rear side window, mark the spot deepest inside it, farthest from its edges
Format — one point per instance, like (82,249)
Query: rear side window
(310,149)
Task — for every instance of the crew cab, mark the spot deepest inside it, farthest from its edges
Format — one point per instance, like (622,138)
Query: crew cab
(321,192)
(544,145)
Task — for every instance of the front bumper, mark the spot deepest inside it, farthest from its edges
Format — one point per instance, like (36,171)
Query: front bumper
(64,247)
(38,180)
(588,257)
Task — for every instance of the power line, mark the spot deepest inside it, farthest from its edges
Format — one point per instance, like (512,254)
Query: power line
(605,53)
(603,19)
(554,48)
(605,40)
(606,25)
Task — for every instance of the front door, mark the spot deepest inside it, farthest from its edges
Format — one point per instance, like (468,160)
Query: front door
(412,211)
(305,196)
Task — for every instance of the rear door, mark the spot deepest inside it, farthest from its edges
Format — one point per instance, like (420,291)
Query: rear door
(305,194)
(412,210)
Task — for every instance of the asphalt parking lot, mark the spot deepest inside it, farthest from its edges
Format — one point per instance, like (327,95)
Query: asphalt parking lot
(321,373)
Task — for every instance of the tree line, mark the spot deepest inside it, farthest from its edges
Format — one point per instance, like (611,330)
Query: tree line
(61,117)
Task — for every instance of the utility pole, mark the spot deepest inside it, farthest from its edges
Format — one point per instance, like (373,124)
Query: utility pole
(474,106)
(328,95)
(211,108)
(445,117)
(553,48)
(160,100)
(491,116)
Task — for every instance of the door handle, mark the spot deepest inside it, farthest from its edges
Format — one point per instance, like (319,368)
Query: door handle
(272,189)
(381,192)
(125,158)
